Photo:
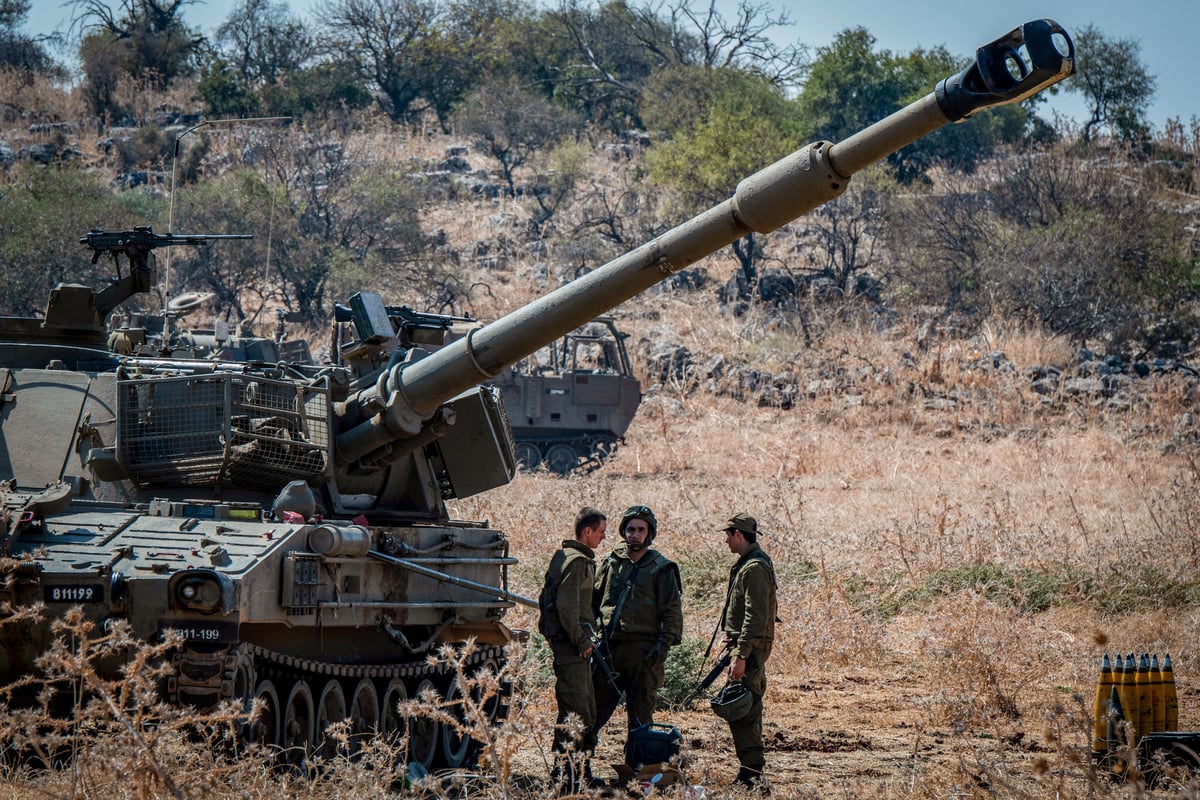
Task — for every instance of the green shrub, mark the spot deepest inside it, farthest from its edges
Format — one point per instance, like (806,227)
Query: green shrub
(683,670)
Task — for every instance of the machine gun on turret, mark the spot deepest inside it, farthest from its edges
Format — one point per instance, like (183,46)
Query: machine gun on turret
(136,245)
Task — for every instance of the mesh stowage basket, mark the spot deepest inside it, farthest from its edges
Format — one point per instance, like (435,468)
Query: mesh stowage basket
(222,429)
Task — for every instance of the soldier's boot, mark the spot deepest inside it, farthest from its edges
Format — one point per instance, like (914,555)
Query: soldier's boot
(589,780)
(752,779)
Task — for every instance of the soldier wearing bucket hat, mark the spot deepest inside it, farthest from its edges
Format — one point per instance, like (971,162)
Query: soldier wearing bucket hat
(749,624)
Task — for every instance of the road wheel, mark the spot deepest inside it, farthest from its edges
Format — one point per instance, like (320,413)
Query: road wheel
(297,733)
(529,456)
(424,733)
(264,728)
(561,459)
(331,709)
(364,715)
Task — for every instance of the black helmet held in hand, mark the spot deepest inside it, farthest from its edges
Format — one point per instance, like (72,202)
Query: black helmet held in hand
(732,702)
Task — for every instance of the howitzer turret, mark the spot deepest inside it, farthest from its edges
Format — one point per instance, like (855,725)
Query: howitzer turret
(289,520)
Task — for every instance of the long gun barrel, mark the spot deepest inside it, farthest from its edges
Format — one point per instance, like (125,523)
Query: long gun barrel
(1008,70)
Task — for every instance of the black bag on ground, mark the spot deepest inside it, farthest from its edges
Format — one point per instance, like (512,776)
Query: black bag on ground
(652,743)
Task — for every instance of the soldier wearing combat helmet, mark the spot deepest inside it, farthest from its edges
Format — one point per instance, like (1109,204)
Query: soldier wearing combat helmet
(640,602)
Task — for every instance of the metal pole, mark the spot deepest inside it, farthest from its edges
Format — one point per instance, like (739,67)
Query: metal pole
(494,591)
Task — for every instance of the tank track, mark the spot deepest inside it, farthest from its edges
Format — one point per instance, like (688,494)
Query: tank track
(202,678)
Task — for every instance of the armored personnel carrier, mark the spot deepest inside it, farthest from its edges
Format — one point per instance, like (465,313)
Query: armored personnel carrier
(290,521)
(569,403)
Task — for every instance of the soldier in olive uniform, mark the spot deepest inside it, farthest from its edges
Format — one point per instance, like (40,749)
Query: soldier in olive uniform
(641,588)
(749,624)
(565,619)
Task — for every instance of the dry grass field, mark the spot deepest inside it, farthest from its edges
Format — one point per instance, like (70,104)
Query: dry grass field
(949,579)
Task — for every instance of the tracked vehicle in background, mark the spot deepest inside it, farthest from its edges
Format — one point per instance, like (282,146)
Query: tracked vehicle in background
(290,521)
(569,403)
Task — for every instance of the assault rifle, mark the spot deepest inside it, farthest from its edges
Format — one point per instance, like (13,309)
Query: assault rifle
(615,619)
(136,245)
(722,664)
(600,660)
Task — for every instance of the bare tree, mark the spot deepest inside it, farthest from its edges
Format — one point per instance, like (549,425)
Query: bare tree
(744,41)
(392,42)
(845,235)
(263,41)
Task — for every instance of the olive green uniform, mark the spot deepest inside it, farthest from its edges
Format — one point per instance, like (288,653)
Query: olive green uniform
(566,606)
(649,625)
(749,624)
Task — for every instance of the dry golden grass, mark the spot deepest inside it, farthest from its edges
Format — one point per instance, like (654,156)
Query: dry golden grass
(1090,514)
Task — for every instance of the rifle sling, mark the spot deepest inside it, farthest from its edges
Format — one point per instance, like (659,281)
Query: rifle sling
(611,627)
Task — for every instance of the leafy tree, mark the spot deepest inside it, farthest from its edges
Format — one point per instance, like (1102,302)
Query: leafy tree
(962,146)
(323,88)
(1114,82)
(512,123)
(17,49)
(394,45)
(749,125)
(478,39)
(318,89)
(848,86)
(563,167)
(237,272)
(262,42)
(329,213)
(103,69)
(146,40)
(226,92)
(600,59)
(595,59)
(851,85)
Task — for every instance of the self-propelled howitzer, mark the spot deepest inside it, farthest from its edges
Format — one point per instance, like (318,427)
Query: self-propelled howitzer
(289,520)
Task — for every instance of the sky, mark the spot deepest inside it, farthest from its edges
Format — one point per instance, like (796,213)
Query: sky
(1165,29)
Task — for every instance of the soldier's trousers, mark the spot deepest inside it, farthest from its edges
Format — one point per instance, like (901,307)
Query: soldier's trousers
(575,695)
(748,731)
(639,679)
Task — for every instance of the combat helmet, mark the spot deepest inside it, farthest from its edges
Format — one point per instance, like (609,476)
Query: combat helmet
(733,702)
(643,513)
